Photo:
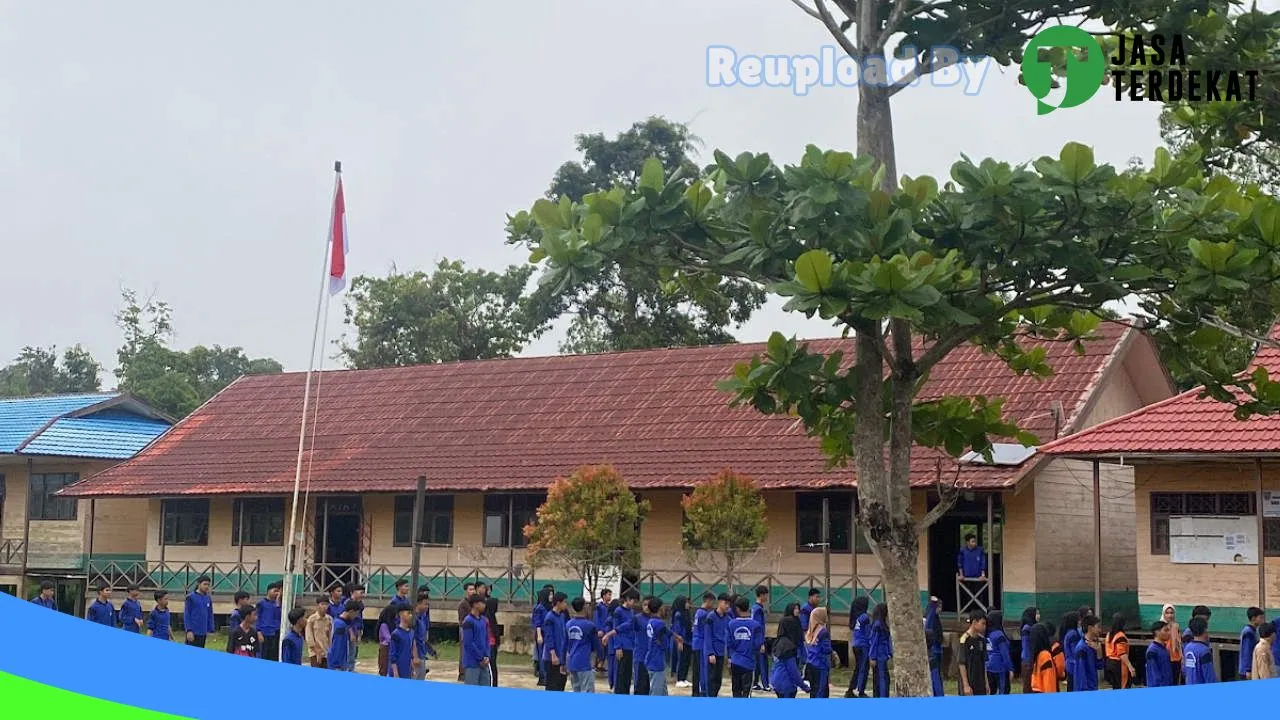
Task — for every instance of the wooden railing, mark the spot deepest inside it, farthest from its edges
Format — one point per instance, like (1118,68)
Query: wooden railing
(12,552)
(151,575)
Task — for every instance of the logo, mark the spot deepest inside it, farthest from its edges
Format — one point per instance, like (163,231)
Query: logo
(742,633)
(1083,76)
(575,632)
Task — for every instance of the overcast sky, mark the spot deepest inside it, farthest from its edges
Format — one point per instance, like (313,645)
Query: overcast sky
(185,149)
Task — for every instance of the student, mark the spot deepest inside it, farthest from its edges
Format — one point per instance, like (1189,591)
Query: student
(660,642)
(681,627)
(475,645)
(860,632)
(933,643)
(45,598)
(388,620)
(1056,653)
(761,616)
(999,655)
(540,608)
(600,618)
(401,598)
(1248,641)
(880,650)
(354,593)
(1197,611)
(699,655)
(240,603)
(340,655)
(158,621)
(269,616)
(243,639)
(715,644)
(400,649)
(336,600)
(319,633)
(421,631)
(582,643)
(971,561)
(1045,675)
(1030,617)
(1174,646)
(1275,647)
(972,658)
(464,609)
(622,639)
(1088,655)
(101,611)
(1197,657)
(495,630)
(1070,638)
(815,599)
(197,613)
(746,645)
(131,611)
(817,644)
(1119,667)
(1159,671)
(785,678)
(555,643)
(1264,665)
(639,670)
(294,644)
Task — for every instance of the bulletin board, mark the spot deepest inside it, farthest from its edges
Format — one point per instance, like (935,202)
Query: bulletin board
(1213,540)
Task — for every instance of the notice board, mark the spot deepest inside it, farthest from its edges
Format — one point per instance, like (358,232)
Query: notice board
(1213,540)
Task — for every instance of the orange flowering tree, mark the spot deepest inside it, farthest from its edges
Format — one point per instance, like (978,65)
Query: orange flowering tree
(725,520)
(590,524)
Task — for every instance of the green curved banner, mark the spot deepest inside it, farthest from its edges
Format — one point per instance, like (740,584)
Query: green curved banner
(39,700)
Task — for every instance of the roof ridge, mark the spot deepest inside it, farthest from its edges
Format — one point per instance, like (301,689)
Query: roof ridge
(1049,447)
(61,396)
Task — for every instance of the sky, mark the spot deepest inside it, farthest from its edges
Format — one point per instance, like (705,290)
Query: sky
(185,150)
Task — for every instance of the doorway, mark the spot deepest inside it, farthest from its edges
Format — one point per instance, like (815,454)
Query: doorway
(946,537)
(337,550)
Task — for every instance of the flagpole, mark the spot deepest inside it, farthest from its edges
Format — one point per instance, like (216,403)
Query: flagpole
(290,554)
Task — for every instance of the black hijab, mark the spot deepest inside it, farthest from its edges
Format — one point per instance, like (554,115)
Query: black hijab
(789,628)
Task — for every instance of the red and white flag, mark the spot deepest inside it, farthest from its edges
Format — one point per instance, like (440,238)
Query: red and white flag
(338,243)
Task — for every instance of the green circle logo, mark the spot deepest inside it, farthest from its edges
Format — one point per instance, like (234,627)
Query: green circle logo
(1083,75)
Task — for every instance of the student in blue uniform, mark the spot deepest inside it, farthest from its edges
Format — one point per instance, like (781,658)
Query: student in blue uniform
(1197,611)
(817,667)
(400,649)
(336,601)
(421,632)
(1248,641)
(999,655)
(158,621)
(622,640)
(785,677)
(659,642)
(475,644)
(611,658)
(101,611)
(681,627)
(1197,657)
(1088,655)
(45,598)
(536,618)
(131,611)
(715,645)
(746,645)
(699,662)
(269,617)
(1070,634)
(1159,671)
(583,643)
(1275,646)
(197,613)
(294,646)
(880,650)
(340,645)
(815,600)
(933,643)
(860,632)
(240,605)
(640,670)
(760,614)
(555,643)
(401,598)
(600,618)
(1030,617)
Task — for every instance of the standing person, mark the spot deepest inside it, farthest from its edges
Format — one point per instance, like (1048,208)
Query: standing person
(1159,672)
(355,593)
(131,611)
(972,659)
(475,644)
(400,649)
(269,616)
(243,639)
(1248,641)
(817,666)
(611,656)
(999,655)
(583,642)
(158,621)
(682,652)
(814,601)
(1264,665)
(880,650)
(971,568)
(197,613)
(1197,658)
(241,603)
(746,645)
(555,641)
(336,601)
(340,655)
(860,640)
(699,649)
(401,598)
(622,640)
(45,598)
(1174,646)
(388,619)
(760,613)
(536,617)
(933,644)
(464,609)
(1030,617)
(319,633)
(1202,611)
(785,678)
(1046,674)
(495,630)
(1119,667)
(600,618)
(294,644)
(660,641)
(1070,638)
(639,669)
(1088,655)
(421,632)
(101,611)
(715,645)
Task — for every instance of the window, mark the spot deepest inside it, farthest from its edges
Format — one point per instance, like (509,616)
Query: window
(840,509)
(262,521)
(1164,505)
(505,517)
(44,505)
(186,522)
(437,520)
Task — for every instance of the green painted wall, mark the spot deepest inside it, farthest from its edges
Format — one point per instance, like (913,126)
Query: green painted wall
(1052,605)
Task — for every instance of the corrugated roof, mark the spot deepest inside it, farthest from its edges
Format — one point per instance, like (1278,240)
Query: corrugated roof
(517,424)
(21,417)
(109,426)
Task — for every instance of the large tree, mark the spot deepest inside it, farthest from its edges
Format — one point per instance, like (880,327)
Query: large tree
(452,314)
(38,371)
(622,309)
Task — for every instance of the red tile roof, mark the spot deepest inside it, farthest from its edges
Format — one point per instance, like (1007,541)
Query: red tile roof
(1185,424)
(517,424)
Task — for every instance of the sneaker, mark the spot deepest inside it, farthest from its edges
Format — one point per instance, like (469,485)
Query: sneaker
(684,684)
(758,687)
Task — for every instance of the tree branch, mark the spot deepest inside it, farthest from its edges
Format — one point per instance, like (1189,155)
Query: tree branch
(807,10)
(947,495)
(920,70)
(824,14)
(895,17)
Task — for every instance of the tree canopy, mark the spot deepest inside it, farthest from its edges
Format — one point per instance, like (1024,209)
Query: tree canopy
(40,371)
(725,520)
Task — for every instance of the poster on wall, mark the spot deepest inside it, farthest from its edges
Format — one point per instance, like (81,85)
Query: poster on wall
(1270,504)
(1213,540)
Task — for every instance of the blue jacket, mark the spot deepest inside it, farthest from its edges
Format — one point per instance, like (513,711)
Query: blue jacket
(601,619)
(102,613)
(158,624)
(715,634)
(746,637)
(999,656)
(1275,646)
(881,647)
(933,632)
(785,676)
(1087,665)
(536,617)
(130,614)
(268,618)
(293,648)
(340,645)
(1248,641)
(1069,642)
(421,629)
(197,614)
(1197,663)
(51,603)
(758,614)
(657,642)
(583,642)
(625,629)
(680,625)
(640,633)
(805,611)
(818,654)
(400,653)
(862,631)
(1159,668)
(699,624)
(475,640)
(553,637)
(971,563)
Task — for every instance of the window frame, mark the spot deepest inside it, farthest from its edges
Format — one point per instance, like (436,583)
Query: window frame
(44,499)
(802,521)
(525,506)
(165,512)
(430,515)
(249,519)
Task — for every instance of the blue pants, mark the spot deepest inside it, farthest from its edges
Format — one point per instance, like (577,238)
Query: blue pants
(762,671)
(612,666)
(819,681)
(882,679)
(860,677)
(999,683)
(935,674)
(539,665)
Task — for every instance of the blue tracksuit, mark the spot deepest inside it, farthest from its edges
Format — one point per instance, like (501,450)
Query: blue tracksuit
(554,639)
(861,644)
(102,613)
(1248,641)
(1275,646)
(818,657)
(158,624)
(786,679)
(760,615)
(268,618)
(639,668)
(335,609)
(611,658)
(933,641)
(1197,663)
(805,611)
(699,660)
(746,637)
(999,660)
(475,640)
(1069,642)
(51,604)
(1159,668)
(624,624)
(197,614)
(400,654)
(715,636)
(1087,665)
(340,646)
(1026,644)
(971,563)
(536,619)
(601,617)
(130,614)
(421,630)
(581,643)
(293,649)
(880,651)
(679,628)
(657,637)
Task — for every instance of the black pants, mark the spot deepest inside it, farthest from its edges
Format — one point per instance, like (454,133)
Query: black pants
(622,674)
(682,665)
(493,663)
(555,677)
(641,685)
(740,681)
(715,675)
(197,640)
(858,678)
(695,670)
(271,648)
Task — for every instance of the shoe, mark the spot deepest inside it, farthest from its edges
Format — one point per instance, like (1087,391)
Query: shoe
(758,687)
(684,684)
(768,689)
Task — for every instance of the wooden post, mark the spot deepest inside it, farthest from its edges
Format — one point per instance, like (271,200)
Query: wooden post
(324,546)
(1097,539)
(88,563)
(240,531)
(853,545)
(26,536)
(1262,545)
(419,499)
(991,536)
(826,551)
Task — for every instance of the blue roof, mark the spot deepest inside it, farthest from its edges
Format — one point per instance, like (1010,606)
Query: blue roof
(68,426)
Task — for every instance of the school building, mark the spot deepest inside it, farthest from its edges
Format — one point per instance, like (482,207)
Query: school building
(1207,500)
(46,444)
(490,437)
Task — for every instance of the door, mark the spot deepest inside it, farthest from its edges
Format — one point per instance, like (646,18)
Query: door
(946,537)
(338,543)
(69,595)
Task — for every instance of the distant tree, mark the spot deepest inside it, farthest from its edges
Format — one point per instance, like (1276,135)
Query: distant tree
(452,314)
(36,371)
(725,519)
(589,524)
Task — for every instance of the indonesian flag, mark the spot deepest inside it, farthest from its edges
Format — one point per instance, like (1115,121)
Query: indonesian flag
(338,243)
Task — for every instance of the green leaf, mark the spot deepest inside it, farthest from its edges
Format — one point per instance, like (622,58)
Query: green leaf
(548,215)
(1077,160)
(878,206)
(652,175)
(813,270)
(592,228)
(1266,216)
